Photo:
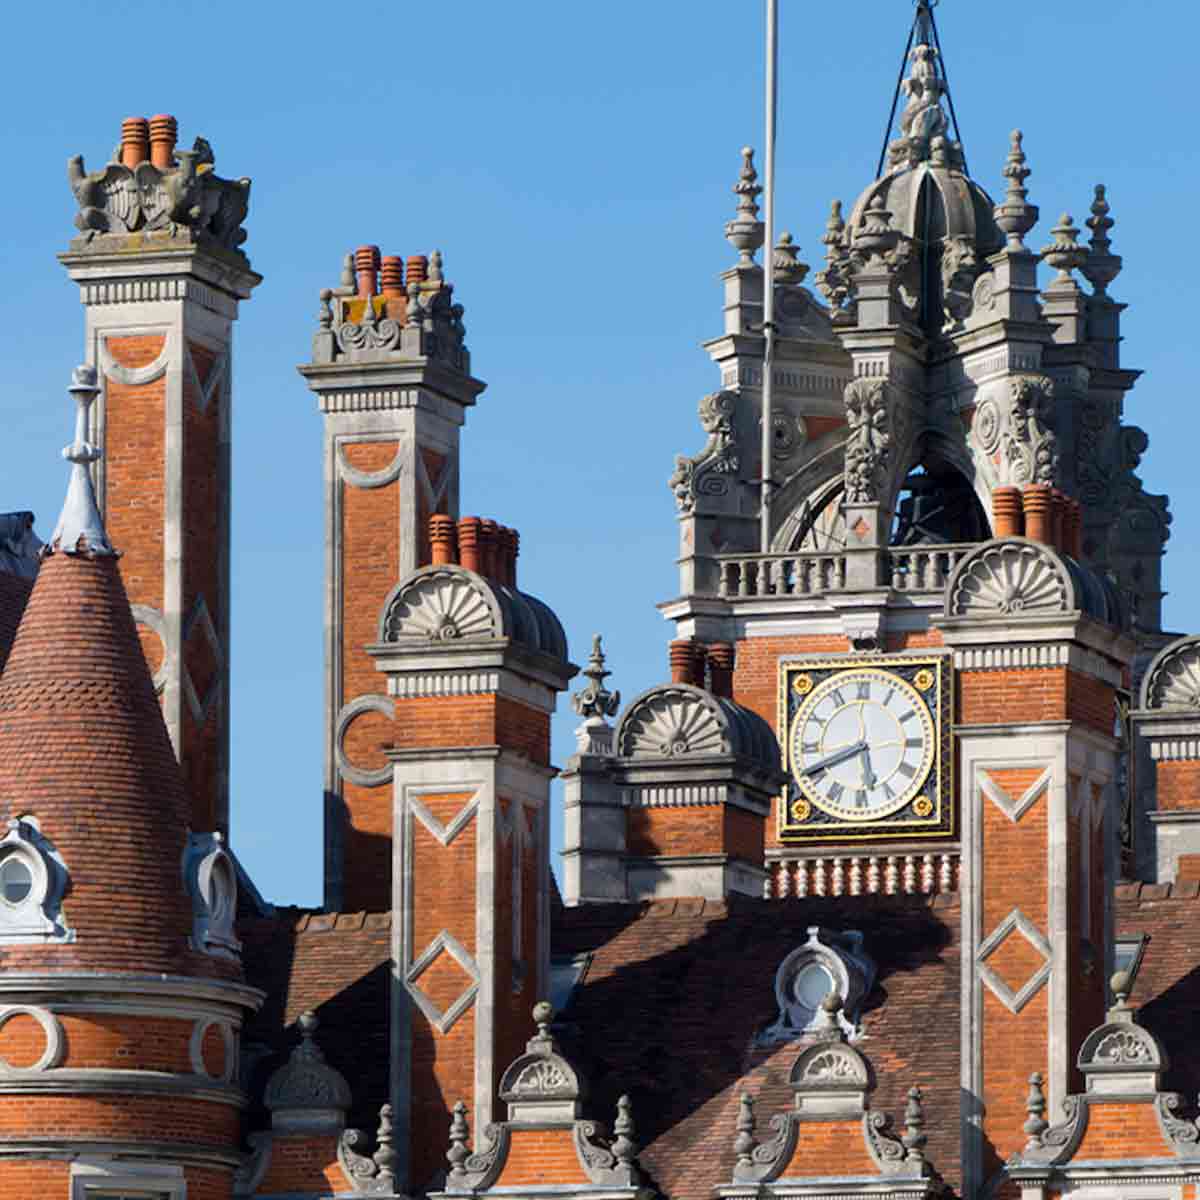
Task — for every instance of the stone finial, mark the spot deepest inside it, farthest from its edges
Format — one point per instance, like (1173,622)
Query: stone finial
(348,285)
(385,1156)
(543,1039)
(1121,984)
(834,281)
(624,1148)
(436,273)
(915,1138)
(826,1027)
(788,267)
(80,529)
(744,1143)
(1102,266)
(1016,216)
(595,700)
(745,232)
(459,1151)
(1035,1105)
(875,236)
(325,312)
(1064,253)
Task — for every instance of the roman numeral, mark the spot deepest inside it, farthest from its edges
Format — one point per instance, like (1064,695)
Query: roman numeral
(864,691)
(907,771)
(812,747)
(907,716)
(914,743)
(886,788)
(887,696)
(860,798)
(835,792)
(837,697)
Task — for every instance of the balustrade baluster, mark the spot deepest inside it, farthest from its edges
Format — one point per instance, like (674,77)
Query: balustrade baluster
(910,874)
(873,877)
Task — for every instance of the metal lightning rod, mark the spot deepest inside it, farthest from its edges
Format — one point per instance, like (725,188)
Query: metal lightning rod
(768,376)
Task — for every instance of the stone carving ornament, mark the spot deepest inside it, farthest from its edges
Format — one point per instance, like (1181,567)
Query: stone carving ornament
(708,473)
(306,1093)
(441,604)
(960,265)
(1031,447)
(671,722)
(1173,680)
(375,1174)
(762,1162)
(1013,577)
(187,197)
(869,443)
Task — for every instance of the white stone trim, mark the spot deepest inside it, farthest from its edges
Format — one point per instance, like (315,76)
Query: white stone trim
(362,776)
(445,834)
(1014,808)
(444,942)
(1015,922)
(1181,749)
(91,1177)
(51,1056)
(196,1047)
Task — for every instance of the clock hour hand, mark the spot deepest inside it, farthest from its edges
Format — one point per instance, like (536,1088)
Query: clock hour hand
(868,775)
(832,760)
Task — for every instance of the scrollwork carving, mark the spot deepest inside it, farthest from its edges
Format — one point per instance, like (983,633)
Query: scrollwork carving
(671,722)
(707,474)
(1183,1133)
(960,265)
(1031,446)
(441,605)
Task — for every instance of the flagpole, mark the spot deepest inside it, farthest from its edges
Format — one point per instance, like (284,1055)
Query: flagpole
(768,380)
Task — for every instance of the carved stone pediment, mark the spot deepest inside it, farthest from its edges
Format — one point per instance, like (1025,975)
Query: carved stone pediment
(441,604)
(673,722)
(306,1093)
(1173,679)
(1010,577)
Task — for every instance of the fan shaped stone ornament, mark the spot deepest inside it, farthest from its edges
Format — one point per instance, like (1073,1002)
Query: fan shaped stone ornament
(306,1094)
(541,1083)
(1013,577)
(1173,679)
(441,604)
(1121,1054)
(672,721)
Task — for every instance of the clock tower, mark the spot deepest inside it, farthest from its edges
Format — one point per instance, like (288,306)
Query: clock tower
(930,394)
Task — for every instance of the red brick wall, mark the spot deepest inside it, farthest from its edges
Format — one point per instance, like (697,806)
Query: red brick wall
(830,1148)
(434,722)
(204,524)
(303,1164)
(443,898)
(1178,785)
(1014,1046)
(370,537)
(541,1156)
(136,1118)
(23,1179)
(1122,1131)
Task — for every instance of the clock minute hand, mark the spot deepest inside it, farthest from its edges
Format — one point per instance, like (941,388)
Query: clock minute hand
(836,757)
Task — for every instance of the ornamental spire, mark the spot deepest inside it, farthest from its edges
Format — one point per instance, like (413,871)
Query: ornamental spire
(80,528)
(1102,266)
(924,125)
(745,232)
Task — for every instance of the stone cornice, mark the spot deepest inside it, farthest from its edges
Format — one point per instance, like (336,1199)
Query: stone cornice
(144,258)
(100,991)
(341,378)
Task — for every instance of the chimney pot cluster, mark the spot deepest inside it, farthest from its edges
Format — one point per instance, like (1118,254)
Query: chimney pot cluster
(1043,514)
(689,660)
(481,545)
(149,140)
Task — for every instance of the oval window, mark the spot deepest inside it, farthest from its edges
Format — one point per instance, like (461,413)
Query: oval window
(812,985)
(16,880)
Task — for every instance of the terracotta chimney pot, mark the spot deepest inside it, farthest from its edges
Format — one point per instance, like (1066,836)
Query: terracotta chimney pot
(135,141)
(443,540)
(1008,517)
(468,543)
(164,132)
(720,668)
(366,269)
(687,661)
(1038,504)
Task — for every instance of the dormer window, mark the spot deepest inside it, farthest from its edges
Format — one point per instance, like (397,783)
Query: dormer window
(812,983)
(212,883)
(33,878)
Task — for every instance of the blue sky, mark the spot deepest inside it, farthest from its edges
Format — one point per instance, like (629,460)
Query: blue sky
(573,163)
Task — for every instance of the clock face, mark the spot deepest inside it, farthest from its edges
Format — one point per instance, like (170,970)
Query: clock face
(862,745)
(867,747)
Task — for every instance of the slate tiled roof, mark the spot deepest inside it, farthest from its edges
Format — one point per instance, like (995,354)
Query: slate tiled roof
(14,592)
(338,966)
(1167,988)
(677,991)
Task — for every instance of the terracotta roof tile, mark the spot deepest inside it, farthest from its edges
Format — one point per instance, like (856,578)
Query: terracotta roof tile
(338,966)
(1167,987)
(84,749)
(676,993)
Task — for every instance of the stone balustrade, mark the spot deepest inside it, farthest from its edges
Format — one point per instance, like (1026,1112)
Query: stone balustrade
(862,875)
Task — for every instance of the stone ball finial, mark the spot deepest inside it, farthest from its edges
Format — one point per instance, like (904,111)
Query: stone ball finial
(308,1022)
(543,1014)
(833,1002)
(1121,984)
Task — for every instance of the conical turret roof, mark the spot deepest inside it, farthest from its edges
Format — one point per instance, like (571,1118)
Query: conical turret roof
(87,768)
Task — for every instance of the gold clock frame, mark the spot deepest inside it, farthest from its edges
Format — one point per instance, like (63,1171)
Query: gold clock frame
(799,674)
